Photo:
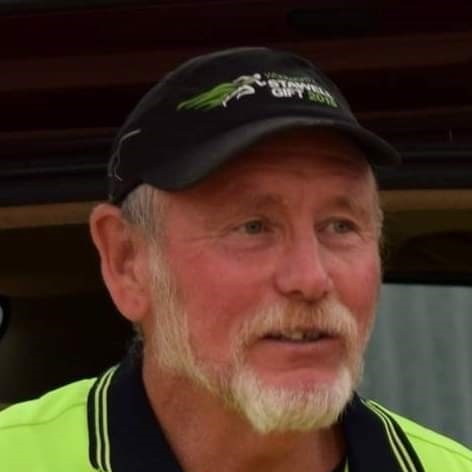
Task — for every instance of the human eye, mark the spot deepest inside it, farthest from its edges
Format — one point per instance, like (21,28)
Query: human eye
(342,226)
(253,227)
(251,234)
(339,230)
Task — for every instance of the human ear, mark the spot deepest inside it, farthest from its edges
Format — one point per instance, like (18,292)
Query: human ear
(123,260)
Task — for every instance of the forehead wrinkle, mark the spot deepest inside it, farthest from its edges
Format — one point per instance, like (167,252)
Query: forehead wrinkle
(348,203)
(260,201)
(249,202)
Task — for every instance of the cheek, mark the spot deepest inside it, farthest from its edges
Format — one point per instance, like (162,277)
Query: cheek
(357,285)
(217,294)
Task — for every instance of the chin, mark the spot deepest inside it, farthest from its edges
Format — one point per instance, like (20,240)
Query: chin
(301,379)
(290,407)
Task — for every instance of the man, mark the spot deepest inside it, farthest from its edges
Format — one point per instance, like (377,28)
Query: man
(242,241)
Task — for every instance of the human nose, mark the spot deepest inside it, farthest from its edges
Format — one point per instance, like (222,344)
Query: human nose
(301,273)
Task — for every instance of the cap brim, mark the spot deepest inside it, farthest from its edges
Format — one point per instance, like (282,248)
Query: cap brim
(187,169)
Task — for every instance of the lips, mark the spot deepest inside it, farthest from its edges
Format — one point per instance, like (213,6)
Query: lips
(297,336)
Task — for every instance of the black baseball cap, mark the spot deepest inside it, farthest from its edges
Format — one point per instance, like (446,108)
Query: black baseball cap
(215,106)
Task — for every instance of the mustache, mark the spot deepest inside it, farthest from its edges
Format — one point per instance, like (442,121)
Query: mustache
(328,317)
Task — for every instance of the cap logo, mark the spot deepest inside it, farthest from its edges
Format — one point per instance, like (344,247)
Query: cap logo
(280,86)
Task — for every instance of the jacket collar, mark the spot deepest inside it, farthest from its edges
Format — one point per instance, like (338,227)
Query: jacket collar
(124,434)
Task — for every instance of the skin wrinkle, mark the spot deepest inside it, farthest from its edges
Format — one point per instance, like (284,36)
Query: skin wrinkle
(270,204)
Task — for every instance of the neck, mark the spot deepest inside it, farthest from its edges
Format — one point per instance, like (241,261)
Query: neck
(206,435)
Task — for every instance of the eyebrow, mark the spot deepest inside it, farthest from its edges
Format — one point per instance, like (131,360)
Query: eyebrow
(259,202)
(351,205)
(274,200)
(270,199)
(255,203)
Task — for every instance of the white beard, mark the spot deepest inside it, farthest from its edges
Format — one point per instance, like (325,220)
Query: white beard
(267,408)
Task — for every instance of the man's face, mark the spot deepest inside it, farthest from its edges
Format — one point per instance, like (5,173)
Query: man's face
(272,273)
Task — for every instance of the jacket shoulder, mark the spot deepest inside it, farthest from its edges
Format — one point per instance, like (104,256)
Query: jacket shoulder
(52,431)
(435,451)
